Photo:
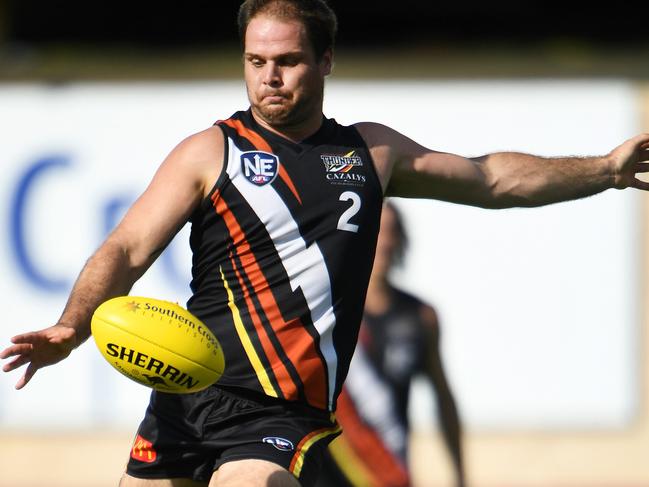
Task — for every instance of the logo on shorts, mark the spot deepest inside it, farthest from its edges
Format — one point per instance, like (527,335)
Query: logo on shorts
(279,443)
(143,451)
(259,167)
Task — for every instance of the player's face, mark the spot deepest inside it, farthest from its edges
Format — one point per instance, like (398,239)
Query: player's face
(285,82)
(386,245)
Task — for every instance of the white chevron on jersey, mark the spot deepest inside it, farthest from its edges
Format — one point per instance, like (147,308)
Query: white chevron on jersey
(305,266)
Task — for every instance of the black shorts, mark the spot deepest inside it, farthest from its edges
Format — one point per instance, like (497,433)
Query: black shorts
(192,435)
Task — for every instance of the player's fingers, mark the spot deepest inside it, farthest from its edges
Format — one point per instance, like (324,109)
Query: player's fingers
(640,184)
(641,139)
(638,143)
(29,373)
(20,349)
(25,337)
(644,154)
(15,363)
(641,167)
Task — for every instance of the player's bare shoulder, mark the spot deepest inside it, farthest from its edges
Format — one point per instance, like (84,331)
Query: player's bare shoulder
(199,156)
(383,143)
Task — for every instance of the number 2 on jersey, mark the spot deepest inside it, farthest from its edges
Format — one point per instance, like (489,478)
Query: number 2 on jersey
(349,213)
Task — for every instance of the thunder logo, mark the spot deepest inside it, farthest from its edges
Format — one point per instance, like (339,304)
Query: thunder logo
(341,164)
(339,169)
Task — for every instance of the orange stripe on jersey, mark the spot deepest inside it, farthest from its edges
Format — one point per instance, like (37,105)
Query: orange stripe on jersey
(369,447)
(257,140)
(297,462)
(261,144)
(284,380)
(294,338)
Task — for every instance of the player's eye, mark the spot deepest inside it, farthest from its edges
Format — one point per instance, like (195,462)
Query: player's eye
(289,61)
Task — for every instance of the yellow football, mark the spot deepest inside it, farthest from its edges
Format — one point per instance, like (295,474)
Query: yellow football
(157,343)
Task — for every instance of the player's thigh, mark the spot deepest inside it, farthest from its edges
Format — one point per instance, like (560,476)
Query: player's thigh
(128,481)
(252,473)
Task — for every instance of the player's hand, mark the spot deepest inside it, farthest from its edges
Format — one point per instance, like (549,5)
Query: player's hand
(630,159)
(38,349)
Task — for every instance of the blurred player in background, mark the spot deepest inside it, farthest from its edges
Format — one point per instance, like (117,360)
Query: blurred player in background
(398,340)
(285,206)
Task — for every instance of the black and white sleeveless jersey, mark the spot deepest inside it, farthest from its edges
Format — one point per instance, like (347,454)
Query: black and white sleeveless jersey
(282,253)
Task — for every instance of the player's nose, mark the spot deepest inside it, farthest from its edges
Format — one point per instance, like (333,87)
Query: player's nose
(272,75)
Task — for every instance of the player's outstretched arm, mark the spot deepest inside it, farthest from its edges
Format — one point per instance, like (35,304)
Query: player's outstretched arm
(504,179)
(181,182)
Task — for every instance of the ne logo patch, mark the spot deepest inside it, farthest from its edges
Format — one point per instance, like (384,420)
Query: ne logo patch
(259,167)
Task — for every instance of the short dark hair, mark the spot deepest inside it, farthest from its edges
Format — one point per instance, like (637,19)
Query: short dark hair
(318,19)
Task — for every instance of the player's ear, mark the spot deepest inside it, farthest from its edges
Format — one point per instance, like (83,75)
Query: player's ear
(327,61)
